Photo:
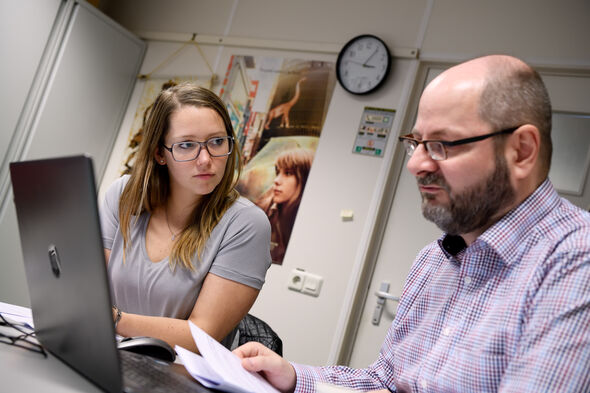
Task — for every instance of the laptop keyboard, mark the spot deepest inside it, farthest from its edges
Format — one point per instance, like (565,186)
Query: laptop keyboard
(145,374)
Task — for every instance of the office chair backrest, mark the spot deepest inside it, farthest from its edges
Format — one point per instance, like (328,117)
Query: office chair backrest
(254,329)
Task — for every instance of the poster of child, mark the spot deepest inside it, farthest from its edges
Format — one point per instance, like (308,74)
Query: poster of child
(278,107)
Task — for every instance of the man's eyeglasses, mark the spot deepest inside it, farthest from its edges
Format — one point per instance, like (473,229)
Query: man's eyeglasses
(218,146)
(437,150)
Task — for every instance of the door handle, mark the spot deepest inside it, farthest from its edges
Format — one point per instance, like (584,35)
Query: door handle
(382,296)
(386,296)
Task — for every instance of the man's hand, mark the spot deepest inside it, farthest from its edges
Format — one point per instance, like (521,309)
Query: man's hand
(276,370)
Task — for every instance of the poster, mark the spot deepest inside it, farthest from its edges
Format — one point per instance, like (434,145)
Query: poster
(374,129)
(278,107)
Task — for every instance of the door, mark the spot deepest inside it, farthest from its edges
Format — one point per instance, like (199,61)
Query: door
(407,232)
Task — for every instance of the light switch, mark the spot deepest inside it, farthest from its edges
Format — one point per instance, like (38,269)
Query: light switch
(312,284)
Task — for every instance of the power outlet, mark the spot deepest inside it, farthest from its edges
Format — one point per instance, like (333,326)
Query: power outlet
(296,280)
(304,282)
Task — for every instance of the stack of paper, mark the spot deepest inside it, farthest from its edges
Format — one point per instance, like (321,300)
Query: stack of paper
(17,313)
(218,368)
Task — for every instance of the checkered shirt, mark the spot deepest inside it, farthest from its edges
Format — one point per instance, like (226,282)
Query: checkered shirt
(509,313)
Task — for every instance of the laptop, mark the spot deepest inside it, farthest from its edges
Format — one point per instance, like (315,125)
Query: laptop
(66,273)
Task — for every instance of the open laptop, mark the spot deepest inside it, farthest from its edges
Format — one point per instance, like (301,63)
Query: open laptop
(64,261)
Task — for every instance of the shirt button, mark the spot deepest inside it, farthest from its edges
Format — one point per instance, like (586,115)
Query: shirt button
(467,280)
(424,384)
(447,331)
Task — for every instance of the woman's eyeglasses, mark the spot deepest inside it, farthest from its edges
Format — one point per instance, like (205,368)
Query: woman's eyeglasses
(218,146)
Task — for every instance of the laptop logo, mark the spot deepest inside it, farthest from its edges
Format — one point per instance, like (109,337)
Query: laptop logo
(54,261)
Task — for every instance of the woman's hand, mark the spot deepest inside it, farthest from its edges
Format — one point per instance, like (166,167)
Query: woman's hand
(276,370)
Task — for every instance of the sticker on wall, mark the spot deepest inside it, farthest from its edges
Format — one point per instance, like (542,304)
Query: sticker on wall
(373,131)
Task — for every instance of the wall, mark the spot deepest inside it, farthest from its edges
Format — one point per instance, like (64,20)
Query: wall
(451,30)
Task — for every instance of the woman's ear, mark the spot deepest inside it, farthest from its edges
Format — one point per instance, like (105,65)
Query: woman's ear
(159,156)
(523,151)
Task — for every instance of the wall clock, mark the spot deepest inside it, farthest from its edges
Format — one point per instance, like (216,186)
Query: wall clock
(363,64)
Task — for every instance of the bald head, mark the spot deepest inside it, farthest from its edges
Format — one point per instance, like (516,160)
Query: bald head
(507,93)
(466,77)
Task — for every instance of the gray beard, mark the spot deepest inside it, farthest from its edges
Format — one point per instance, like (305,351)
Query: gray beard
(474,207)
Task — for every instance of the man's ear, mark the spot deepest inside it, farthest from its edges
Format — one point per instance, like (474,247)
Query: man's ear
(523,148)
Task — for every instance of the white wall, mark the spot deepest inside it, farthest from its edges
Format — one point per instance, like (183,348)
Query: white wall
(543,32)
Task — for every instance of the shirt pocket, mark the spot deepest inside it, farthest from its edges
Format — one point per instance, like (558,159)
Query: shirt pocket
(474,370)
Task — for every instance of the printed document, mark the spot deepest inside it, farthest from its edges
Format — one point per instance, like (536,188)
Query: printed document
(218,368)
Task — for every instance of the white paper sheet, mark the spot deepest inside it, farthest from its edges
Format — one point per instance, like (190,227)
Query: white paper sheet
(17,313)
(322,387)
(219,368)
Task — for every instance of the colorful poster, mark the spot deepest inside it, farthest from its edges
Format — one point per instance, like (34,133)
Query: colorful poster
(278,107)
(373,132)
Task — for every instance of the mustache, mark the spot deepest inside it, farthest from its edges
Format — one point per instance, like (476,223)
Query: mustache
(433,179)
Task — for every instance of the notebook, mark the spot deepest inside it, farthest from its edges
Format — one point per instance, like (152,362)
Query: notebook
(65,267)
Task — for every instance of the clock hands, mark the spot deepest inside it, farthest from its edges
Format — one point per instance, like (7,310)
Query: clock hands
(361,64)
(369,58)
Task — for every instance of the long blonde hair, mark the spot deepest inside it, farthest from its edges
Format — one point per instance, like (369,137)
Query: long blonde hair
(149,184)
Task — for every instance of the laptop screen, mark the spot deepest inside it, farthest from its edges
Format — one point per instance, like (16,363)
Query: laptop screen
(64,261)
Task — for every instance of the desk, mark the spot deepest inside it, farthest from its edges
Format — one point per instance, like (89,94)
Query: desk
(27,371)
(22,370)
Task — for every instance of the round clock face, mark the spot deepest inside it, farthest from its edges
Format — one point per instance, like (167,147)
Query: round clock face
(363,64)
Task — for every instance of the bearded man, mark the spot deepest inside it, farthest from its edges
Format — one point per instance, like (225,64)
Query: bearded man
(501,302)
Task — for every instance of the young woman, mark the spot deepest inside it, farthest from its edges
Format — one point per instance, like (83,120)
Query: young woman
(180,242)
(281,201)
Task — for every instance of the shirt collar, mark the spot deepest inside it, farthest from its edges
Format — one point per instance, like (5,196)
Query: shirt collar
(505,236)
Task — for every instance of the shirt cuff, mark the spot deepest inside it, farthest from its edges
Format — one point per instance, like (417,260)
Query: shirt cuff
(307,377)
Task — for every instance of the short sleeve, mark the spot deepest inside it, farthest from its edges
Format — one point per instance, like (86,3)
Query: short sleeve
(244,251)
(109,211)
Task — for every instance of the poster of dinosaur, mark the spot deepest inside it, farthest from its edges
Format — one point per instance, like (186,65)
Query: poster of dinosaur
(278,107)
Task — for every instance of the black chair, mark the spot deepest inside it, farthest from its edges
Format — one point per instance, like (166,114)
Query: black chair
(254,329)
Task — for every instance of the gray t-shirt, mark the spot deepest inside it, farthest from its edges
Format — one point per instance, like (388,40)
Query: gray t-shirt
(238,249)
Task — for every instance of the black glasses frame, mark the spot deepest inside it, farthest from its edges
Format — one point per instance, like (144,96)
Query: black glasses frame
(415,142)
(201,145)
(24,340)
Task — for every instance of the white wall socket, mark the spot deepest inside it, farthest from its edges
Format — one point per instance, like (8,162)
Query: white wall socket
(296,279)
(304,282)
